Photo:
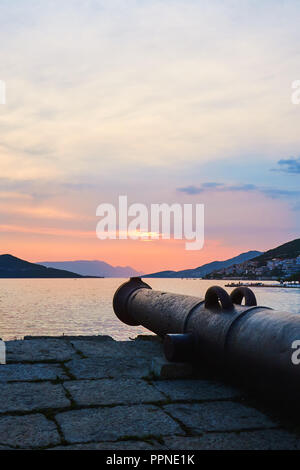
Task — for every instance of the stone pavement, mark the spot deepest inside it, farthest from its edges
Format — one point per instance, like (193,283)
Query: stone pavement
(97,393)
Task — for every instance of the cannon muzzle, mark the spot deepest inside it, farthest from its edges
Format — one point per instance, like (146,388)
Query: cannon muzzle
(255,345)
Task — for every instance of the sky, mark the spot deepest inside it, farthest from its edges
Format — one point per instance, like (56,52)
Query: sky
(172,101)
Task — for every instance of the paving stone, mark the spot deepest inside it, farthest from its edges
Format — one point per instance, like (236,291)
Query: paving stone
(69,338)
(39,350)
(26,396)
(123,445)
(142,348)
(267,439)
(97,349)
(117,349)
(28,431)
(30,372)
(113,391)
(218,416)
(163,369)
(110,424)
(112,375)
(97,368)
(195,390)
(151,337)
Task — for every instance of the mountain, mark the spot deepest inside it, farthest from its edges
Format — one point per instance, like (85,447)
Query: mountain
(93,268)
(12,267)
(288,250)
(207,268)
(278,263)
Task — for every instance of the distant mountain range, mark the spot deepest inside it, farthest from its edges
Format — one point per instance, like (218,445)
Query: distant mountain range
(202,271)
(93,268)
(12,267)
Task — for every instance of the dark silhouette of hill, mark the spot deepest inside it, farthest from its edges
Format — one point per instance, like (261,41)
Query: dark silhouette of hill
(288,250)
(12,267)
(207,268)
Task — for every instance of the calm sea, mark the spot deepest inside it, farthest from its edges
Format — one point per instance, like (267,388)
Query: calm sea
(84,306)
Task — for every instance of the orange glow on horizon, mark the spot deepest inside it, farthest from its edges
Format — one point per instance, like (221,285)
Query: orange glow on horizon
(145,257)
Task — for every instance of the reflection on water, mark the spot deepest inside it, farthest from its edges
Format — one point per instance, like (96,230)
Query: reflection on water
(84,306)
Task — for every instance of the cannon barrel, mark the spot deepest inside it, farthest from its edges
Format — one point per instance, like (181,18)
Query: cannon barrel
(253,344)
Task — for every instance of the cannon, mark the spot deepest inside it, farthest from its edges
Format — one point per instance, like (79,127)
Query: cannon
(254,345)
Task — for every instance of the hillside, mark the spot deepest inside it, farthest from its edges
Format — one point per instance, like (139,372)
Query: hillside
(206,268)
(93,268)
(288,250)
(278,263)
(12,267)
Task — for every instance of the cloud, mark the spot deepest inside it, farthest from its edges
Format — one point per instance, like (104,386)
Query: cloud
(289,165)
(191,190)
(47,231)
(211,185)
(273,193)
(104,84)
(242,187)
(108,97)
(220,187)
(277,193)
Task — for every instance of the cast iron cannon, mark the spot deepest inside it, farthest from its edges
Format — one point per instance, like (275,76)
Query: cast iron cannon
(256,345)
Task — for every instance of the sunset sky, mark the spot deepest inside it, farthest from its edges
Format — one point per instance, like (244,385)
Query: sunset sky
(185,101)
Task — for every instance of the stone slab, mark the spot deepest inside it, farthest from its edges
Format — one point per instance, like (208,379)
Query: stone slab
(113,391)
(110,424)
(70,337)
(32,431)
(123,445)
(120,349)
(188,390)
(141,348)
(39,350)
(162,369)
(218,416)
(27,396)
(106,367)
(30,372)
(112,376)
(267,439)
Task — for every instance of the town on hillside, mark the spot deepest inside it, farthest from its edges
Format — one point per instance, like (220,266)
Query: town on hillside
(276,268)
(281,263)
